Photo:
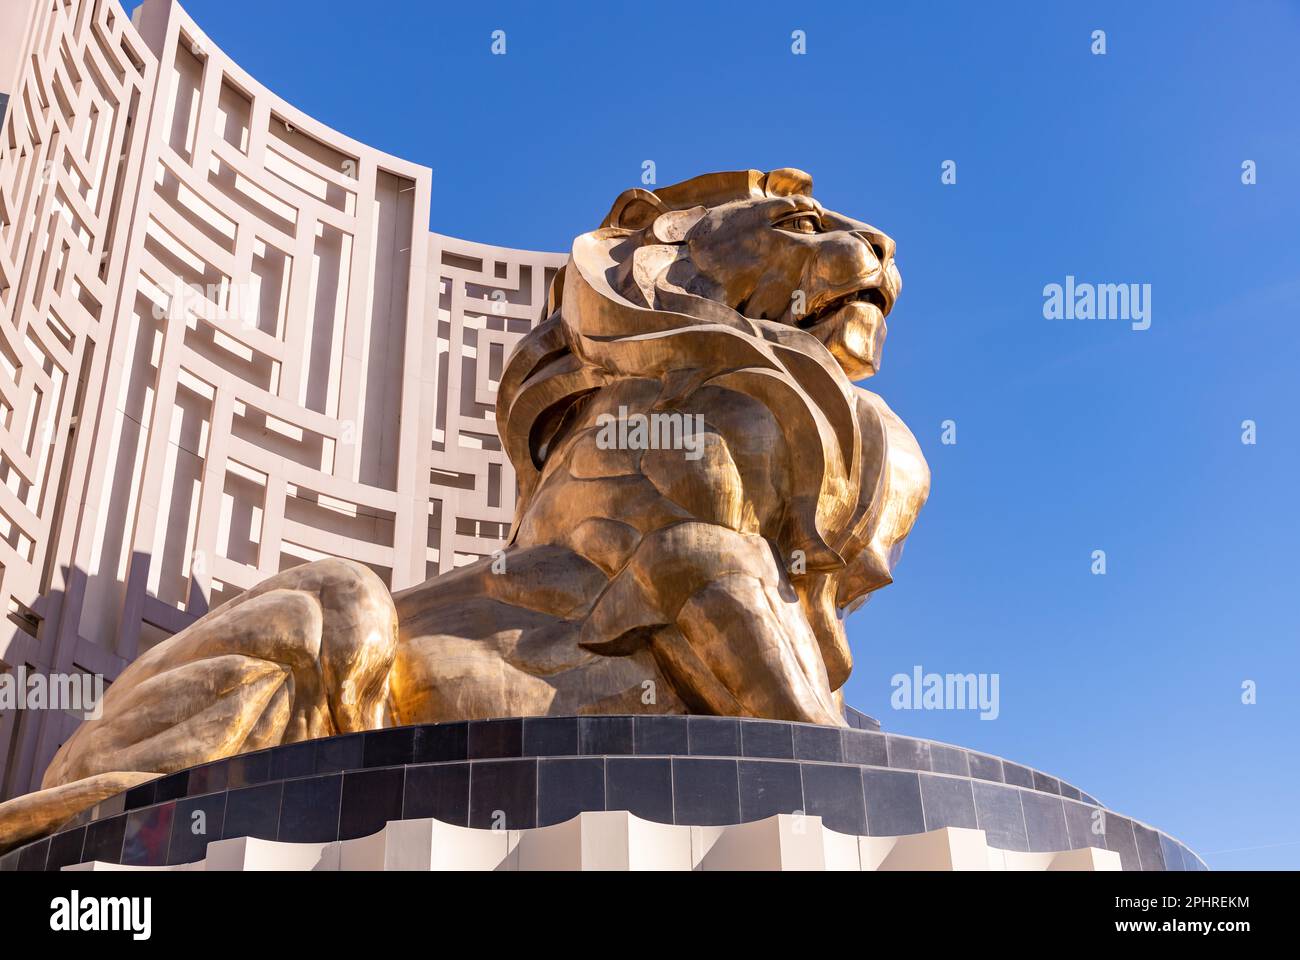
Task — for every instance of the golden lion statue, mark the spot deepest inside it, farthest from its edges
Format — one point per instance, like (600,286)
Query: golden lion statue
(702,492)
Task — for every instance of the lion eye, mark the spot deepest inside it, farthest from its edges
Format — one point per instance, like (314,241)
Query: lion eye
(804,223)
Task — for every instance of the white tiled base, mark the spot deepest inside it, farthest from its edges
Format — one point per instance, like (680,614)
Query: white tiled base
(617,840)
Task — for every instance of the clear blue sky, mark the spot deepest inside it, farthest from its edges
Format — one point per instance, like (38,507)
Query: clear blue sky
(1072,436)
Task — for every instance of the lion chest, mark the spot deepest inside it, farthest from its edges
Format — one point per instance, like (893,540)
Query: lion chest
(627,469)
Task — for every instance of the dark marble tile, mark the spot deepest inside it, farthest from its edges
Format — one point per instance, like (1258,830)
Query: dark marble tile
(714,736)
(862,746)
(247,770)
(502,794)
(111,806)
(172,787)
(209,778)
(764,738)
(893,800)
(1119,837)
(551,737)
(252,812)
(1045,822)
(198,820)
(440,791)
(769,787)
(999,814)
(442,742)
(834,793)
(908,754)
(1085,825)
(65,848)
(1046,784)
(643,787)
(340,753)
(309,810)
(984,767)
(293,760)
(148,834)
(665,736)
(705,792)
(859,720)
(817,743)
(371,798)
(1172,853)
(947,802)
(490,739)
(141,796)
(946,759)
(568,787)
(388,748)
(1015,774)
(104,840)
(33,856)
(1148,847)
(1069,792)
(605,735)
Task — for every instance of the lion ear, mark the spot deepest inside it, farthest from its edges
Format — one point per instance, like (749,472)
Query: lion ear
(634,209)
(673,226)
(787,182)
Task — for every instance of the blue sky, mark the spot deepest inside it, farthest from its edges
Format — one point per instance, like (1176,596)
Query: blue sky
(1072,435)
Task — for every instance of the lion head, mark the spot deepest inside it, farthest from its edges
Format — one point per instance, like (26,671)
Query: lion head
(760,244)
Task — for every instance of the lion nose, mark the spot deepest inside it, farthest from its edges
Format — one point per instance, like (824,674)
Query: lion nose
(881,245)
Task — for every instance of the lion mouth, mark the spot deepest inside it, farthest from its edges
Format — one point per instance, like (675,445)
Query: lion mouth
(852,328)
(874,296)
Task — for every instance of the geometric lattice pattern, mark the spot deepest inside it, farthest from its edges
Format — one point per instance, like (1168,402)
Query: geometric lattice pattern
(228,345)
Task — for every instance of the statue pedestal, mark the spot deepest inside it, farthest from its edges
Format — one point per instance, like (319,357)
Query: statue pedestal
(515,776)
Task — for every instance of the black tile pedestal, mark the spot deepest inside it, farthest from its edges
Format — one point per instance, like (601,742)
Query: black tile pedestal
(522,773)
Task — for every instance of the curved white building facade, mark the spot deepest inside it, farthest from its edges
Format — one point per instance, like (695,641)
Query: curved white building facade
(228,344)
